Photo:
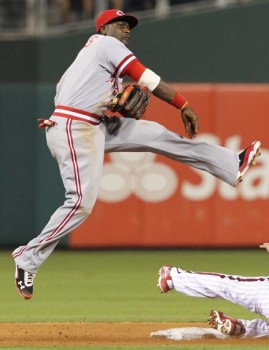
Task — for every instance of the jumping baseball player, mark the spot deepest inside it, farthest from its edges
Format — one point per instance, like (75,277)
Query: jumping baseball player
(250,292)
(78,133)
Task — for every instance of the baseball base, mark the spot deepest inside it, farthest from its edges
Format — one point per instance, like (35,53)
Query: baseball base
(189,333)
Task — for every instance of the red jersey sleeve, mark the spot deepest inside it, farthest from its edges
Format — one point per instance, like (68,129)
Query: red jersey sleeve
(134,70)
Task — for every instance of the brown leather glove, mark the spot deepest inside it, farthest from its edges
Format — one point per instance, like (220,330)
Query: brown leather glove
(131,102)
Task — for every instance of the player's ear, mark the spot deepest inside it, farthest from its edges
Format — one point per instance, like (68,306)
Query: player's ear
(103,30)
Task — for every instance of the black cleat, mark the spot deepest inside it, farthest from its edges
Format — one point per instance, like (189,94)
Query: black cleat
(24,282)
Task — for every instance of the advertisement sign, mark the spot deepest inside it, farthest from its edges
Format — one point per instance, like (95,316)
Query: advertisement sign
(147,200)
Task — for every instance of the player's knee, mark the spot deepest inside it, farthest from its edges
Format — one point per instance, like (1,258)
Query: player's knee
(84,210)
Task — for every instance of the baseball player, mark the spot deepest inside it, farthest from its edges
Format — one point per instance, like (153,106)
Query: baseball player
(78,134)
(250,292)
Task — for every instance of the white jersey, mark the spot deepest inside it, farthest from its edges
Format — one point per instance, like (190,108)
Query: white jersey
(95,75)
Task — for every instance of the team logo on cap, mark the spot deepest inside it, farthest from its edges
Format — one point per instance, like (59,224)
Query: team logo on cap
(120,13)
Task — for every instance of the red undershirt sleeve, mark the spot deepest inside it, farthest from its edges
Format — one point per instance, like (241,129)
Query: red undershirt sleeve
(134,70)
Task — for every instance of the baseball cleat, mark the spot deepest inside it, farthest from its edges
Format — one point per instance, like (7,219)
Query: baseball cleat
(24,282)
(247,158)
(165,282)
(225,324)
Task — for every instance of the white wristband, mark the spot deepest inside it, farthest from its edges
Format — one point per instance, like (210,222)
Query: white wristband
(149,79)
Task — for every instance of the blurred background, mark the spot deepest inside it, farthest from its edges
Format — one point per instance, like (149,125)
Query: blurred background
(214,52)
(37,17)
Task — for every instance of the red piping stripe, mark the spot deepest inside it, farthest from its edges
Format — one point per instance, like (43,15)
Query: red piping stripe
(120,64)
(19,252)
(77,181)
(78,188)
(57,114)
(71,109)
(232,278)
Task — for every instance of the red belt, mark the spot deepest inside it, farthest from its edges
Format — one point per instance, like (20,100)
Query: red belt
(76,114)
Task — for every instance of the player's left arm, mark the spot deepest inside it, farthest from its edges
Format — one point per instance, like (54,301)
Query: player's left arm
(147,78)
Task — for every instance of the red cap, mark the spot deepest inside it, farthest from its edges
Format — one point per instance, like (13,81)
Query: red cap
(115,15)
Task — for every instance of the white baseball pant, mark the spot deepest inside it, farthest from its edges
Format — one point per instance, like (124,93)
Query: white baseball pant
(250,292)
(79,148)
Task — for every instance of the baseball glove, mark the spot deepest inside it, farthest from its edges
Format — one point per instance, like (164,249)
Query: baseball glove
(131,102)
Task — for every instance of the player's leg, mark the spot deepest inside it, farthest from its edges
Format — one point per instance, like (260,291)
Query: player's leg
(79,151)
(256,328)
(249,292)
(245,291)
(147,136)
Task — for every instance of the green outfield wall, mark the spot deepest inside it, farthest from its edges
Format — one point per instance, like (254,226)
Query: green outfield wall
(229,45)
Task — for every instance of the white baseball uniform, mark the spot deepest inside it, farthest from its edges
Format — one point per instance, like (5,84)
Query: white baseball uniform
(78,141)
(250,292)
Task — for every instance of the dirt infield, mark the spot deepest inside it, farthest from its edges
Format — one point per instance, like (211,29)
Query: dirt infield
(100,334)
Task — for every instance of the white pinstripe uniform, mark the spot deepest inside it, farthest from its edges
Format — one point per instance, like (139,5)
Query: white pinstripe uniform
(250,292)
(78,141)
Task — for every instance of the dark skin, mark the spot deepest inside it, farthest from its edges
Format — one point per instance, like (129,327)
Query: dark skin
(121,30)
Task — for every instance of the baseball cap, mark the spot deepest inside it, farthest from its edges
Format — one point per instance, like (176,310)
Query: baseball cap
(115,15)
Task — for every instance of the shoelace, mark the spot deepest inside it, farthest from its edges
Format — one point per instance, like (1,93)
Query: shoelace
(29,279)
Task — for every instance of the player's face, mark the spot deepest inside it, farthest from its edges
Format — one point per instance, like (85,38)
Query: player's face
(119,30)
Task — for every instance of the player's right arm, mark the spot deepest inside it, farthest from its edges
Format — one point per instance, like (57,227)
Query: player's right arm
(120,61)
(147,78)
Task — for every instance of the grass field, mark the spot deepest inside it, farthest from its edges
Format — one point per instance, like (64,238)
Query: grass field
(120,286)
